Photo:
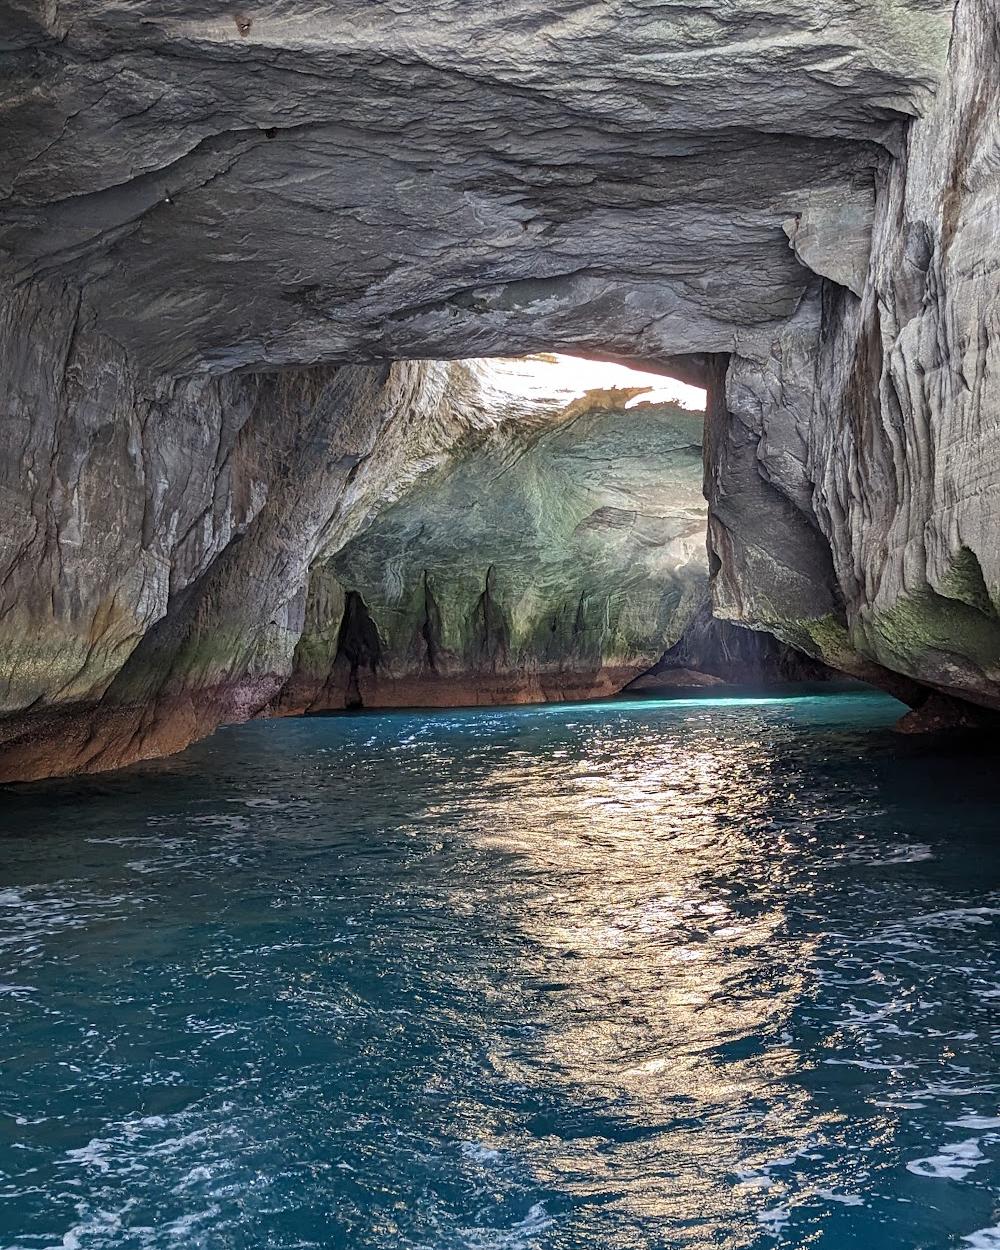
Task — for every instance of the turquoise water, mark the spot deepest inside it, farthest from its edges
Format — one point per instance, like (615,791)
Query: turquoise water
(697,974)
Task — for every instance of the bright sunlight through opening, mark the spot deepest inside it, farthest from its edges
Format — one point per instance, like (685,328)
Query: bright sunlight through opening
(575,374)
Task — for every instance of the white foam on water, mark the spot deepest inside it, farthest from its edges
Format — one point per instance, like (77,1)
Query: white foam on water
(909,853)
(105,1228)
(957,917)
(904,853)
(985,1238)
(869,1065)
(117,1151)
(954,1163)
(877,1013)
(198,1175)
(942,1089)
(521,1236)
(749,1181)
(99,1224)
(479,1153)
(774,1220)
(94,1155)
(143,840)
(179,1229)
(846,1200)
(975,1121)
(35,916)
(759,1176)
(237,824)
(147,866)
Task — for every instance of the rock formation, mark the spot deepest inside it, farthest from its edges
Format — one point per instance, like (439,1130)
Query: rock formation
(865,445)
(714,653)
(547,560)
(227,237)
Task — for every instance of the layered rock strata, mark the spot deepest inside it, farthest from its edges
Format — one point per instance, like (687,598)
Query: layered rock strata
(547,560)
(156,584)
(377,180)
(219,230)
(554,561)
(865,445)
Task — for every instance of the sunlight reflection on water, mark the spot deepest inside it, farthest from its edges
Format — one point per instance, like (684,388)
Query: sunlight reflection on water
(710,973)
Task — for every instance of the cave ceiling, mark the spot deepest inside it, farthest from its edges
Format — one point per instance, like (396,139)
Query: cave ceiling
(238,188)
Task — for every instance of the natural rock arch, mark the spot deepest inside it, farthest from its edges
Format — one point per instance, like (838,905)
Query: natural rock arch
(213,229)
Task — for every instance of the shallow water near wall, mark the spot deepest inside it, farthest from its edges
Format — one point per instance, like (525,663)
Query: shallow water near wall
(704,973)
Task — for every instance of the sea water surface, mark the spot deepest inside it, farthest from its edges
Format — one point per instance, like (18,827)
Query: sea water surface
(711,973)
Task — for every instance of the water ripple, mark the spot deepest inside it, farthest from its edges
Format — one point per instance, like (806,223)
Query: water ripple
(699,974)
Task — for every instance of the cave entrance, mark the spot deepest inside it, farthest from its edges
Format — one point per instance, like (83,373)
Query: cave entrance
(558,552)
(555,373)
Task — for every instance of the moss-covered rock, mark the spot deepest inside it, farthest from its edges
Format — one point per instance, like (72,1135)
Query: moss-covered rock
(548,560)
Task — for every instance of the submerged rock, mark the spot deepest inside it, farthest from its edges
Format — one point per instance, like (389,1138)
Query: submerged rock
(939,713)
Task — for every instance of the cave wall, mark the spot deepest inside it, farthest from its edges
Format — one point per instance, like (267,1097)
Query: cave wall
(154,579)
(217,235)
(867,448)
(371,181)
(914,407)
(713,653)
(542,562)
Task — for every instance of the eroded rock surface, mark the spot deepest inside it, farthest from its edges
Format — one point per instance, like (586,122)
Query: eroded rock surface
(157,584)
(204,214)
(714,653)
(869,436)
(548,560)
(378,180)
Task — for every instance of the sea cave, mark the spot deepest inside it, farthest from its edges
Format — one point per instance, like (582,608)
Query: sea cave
(500,625)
